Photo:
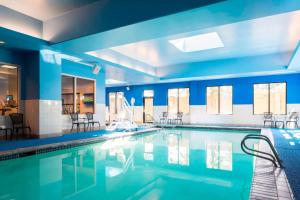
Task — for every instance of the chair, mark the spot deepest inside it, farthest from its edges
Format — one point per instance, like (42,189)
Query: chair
(90,120)
(293,117)
(17,120)
(164,117)
(4,129)
(268,117)
(178,119)
(76,121)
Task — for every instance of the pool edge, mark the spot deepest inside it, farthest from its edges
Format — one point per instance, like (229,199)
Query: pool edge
(33,150)
(269,182)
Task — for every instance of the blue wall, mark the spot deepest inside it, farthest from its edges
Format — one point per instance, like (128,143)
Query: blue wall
(242,89)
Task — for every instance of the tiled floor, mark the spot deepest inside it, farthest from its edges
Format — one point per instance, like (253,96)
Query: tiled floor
(287,143)
(269,182)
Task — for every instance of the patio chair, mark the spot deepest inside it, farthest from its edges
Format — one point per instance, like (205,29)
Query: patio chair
(90,120)
(268,118)
(293,117)
(77,122)
(163,118)
(17,120)
(6,130)
(178,119)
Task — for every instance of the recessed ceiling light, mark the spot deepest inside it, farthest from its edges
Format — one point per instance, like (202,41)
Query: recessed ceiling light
(113,81)
(198,42)
(9,66)
(2,42)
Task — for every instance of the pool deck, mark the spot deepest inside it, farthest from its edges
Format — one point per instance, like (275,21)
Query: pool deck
(19,148)
(268,181)
(8,147)
(211,126)
(287,144)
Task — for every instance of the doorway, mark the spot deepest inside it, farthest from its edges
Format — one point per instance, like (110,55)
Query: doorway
(148,109)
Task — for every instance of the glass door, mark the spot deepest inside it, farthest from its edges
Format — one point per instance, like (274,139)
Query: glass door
(148,109)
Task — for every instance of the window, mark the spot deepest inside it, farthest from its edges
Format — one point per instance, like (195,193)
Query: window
(269,97)
(115,102)
(81,91)
(219,100)
(9,93)
(85,95)
(67,94)
(178,100)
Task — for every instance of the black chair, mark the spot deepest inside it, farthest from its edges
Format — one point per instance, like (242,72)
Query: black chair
(90,120)
(17,120)
(293,117)
(6,130)
(178,119)
(76,121)
(164,117)
(268,117)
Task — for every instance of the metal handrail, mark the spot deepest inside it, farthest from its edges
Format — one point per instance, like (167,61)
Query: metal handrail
(272,158)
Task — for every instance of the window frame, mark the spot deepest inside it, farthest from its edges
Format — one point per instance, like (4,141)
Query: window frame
(219,106)
(178,98)
(19,75)
(75,91)
(269,96)
(116,101)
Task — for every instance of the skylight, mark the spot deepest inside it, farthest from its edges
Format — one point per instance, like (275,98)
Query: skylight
(113,81)
(198,42)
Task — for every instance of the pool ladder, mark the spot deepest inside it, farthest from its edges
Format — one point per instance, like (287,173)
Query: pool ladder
(260,154)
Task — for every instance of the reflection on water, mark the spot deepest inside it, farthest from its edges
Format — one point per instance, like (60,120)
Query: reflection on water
(148,148)
(183,164)
(178,150)
(80,171)
(219,155)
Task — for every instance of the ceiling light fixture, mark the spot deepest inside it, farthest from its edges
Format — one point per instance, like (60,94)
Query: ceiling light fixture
(9,66)
(113,81)
(96,69)
(198,42)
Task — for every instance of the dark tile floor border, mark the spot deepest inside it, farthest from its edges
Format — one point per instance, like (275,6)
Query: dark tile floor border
(200,126)
(28,151)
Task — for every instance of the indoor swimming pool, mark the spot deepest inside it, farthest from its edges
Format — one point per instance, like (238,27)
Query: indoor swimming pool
(181,163)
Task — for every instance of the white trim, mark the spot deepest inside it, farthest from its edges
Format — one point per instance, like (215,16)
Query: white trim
(75,76)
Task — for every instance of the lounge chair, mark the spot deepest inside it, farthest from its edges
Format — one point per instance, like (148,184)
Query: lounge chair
(90,120)
(178,119)
(77,122)
(163,118)
(17,120)
(268,117)
(293,117)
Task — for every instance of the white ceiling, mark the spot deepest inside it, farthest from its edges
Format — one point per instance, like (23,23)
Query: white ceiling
(267,35)
(44,9)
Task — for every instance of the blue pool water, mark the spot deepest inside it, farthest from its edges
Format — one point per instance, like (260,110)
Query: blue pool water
(167,164)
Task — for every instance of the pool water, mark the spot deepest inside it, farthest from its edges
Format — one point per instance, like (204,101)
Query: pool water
(167,164)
